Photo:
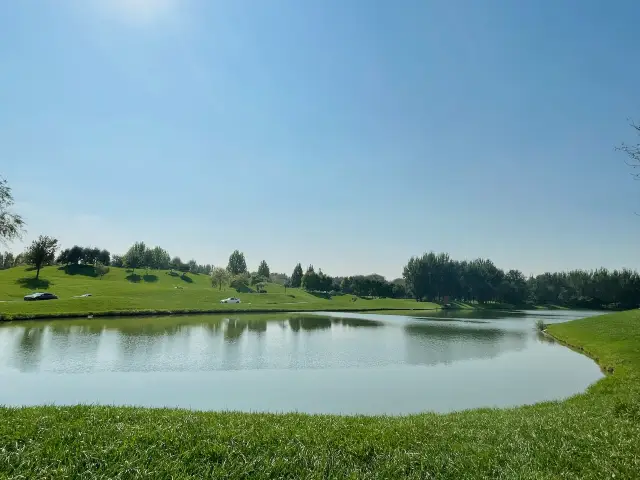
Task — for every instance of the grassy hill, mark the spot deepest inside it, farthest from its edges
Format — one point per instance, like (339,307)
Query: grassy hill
(157,291)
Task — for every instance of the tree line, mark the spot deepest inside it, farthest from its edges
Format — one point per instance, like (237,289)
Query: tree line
(433,277)
(437,277)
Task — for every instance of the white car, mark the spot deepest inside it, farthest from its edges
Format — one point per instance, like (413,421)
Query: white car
(230,300)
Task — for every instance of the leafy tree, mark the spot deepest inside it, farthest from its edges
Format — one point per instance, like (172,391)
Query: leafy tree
(41,252)
(219,277)
(240,281)
(11,224)
(104,257)
(19,260)
(135,256)
(8,261)
(296,276)
(63,257)
(310,279)
(159,258)
(193,266)
(75,255)
(90,255)
(263,269)
(117,261)
(255,279)
(175,263)
(101,269)
(237,263)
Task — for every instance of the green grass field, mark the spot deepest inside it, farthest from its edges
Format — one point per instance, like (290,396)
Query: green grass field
(157,292)
(595,435)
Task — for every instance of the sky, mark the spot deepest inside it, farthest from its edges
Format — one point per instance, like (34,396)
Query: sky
(349,135)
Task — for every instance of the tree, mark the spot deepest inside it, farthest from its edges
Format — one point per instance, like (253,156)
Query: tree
(101,269)
(296,277)
(237,264)
(90,255)
(219,277)
(135,256)
(117,261)
(8,261)
(11,224)
(41,252)
(310,280)
(263,269)
(159,258)
(104,257)
(175,263)
(75,254)
(257,279)
(63,258)
(632,151)
(193,266)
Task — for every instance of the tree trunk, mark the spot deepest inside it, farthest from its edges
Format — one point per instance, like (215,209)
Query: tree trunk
(37,272)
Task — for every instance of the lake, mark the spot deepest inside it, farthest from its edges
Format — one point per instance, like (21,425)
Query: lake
(315,363)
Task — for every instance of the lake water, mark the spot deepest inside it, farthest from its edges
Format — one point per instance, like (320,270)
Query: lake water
(333,363)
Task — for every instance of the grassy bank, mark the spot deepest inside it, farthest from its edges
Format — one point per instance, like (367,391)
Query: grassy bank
(592,435)
(120,292)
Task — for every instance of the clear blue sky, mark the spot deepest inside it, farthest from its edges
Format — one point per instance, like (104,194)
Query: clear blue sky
(348,134)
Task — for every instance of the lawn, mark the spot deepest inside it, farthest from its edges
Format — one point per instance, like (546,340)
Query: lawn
(157,291)
(594,435)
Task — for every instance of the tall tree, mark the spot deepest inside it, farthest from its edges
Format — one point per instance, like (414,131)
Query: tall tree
(135,256)
(11,224)
(219,277)
(90,255)
(310,280)
(104,257)
(41,252)
(117,261)
(263,269)
(237,263)
(160,259)
(296,276)
(193,266)
(75,254)
(63,258)
(9,260)
(176,263)
(101,269)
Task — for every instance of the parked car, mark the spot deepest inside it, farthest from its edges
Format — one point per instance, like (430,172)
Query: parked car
(40,296)
(230,300)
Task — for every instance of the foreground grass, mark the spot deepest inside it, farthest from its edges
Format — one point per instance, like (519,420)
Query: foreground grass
(593,435)
(158,292)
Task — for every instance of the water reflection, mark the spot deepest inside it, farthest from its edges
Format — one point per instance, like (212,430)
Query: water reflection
(345,363)
(192,343)
(432,343)
(309,323)
(29,349)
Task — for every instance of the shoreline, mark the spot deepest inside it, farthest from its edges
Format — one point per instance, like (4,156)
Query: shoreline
(179,312)
(243,311)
